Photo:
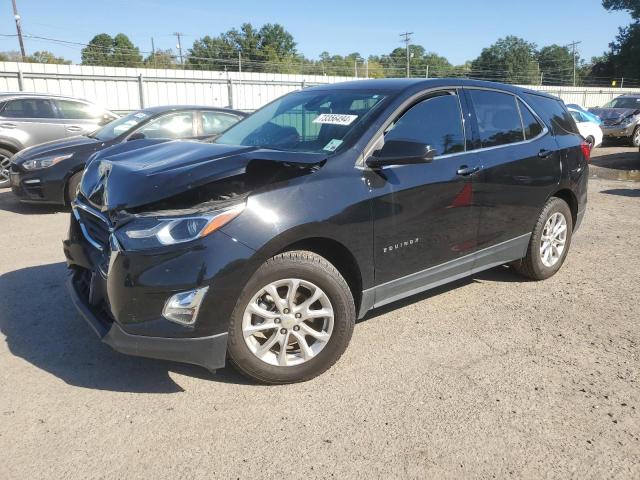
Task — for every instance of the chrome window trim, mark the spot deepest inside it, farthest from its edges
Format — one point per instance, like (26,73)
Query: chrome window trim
(414,99)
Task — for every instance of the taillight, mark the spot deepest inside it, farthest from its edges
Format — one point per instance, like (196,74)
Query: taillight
(586,150)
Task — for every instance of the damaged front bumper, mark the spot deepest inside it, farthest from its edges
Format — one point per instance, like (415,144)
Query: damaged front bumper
(618,131)
(121,294)
(208,352)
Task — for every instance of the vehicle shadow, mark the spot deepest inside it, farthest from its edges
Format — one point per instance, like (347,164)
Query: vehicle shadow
(623,192)
(10,203)
(42,327)
(502,274)
(618,161)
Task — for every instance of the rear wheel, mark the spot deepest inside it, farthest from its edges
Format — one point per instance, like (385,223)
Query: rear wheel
(72,187)
(549,243)
(635,138)
(293,320)
(5,161)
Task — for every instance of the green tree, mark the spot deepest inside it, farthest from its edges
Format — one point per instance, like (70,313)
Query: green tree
(44,56)
(271,48)
(510,59)
(556,65)
(161,59)
(99,50)
(125,53)
(632,6)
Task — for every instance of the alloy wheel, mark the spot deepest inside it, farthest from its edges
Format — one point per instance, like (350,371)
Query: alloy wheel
(554,239)
(4,170)
(636,137)
(288,322)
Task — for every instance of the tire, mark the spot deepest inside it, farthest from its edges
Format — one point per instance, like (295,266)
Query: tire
(635,138)
(72,187)
(5,157)
(533,265)
(310,270)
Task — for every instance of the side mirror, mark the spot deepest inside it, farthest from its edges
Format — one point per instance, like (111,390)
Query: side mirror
(137,136)
(401,152)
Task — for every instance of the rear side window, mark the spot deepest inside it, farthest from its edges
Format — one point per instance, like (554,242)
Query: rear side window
(78,110)
(553,112)
(173,125)
(532,127)
(436,122)
(498,118)
(29,108)
(216,122)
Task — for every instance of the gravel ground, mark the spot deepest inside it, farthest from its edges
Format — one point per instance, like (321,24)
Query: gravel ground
(488,377)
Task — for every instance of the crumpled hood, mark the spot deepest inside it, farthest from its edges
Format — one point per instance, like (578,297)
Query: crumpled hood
(58,147)
(123,178)
(613,114)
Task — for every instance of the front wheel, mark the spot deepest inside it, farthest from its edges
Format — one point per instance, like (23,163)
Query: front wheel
(5,162)
(635,138)
(72,187)
(549,243)
(293,320)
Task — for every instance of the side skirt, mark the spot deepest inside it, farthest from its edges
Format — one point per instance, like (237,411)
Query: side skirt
(432,277)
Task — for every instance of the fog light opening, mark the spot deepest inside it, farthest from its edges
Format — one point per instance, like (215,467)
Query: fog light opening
(182,308)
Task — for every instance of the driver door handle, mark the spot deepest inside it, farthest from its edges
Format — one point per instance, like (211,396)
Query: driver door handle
(466,171)
(74,128)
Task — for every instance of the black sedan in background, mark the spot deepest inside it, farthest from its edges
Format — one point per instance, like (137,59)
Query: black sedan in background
(50,172)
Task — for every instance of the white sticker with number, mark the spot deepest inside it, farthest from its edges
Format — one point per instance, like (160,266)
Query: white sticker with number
(335,119)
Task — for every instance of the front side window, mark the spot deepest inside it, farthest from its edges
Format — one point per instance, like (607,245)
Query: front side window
(119,126)
(498,118)
(214,123)
(29,108)
(174,125)
(305,121)
(436,121)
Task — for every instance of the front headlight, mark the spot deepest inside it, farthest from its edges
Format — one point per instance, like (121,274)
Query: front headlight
(151,232)
(44,162)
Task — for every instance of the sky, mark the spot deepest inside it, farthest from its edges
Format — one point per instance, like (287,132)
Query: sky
(457,30)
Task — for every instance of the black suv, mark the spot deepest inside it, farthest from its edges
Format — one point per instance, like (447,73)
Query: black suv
(266,246)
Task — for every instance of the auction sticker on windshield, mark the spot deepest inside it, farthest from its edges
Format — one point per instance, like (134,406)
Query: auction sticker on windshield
(335,119)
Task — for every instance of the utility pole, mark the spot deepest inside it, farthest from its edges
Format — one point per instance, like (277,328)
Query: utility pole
(426,74)
(366,68)
(239,62)
(153,52)
(16,16)
(179,35)
(573,46)
(407,39)
(355,68)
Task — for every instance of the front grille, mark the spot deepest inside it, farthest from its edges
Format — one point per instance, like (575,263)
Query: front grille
(95,226)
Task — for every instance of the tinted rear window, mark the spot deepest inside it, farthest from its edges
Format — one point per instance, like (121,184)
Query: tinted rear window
(553,112)
(498,118)
(29,108)
(532,127)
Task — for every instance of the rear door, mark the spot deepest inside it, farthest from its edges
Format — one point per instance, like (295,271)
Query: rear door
(424,214)
(31,121)
(81,118)
(521,167)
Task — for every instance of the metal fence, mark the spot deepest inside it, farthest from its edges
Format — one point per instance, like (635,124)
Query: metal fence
(127,89)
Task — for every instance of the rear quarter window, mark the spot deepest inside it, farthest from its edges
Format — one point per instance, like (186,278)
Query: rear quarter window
(553,113)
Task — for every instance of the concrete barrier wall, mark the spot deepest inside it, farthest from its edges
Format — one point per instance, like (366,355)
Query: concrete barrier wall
(126,89)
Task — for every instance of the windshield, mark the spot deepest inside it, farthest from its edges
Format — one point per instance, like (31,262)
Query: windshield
(119,126)
(624,102)
(305,121)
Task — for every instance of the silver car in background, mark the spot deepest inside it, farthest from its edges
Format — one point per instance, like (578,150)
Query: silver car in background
(28,119)
(621,118)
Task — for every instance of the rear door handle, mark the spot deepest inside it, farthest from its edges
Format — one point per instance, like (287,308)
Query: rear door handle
(465,170)
(73,128)
(545,153)
(7,125)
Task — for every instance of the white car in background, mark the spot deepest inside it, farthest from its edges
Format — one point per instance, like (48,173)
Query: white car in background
(589,129)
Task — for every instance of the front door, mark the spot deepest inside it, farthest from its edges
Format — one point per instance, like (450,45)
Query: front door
(424,215)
